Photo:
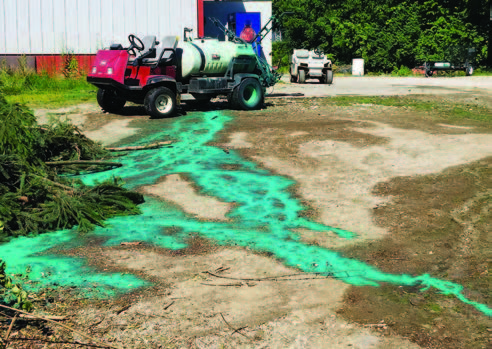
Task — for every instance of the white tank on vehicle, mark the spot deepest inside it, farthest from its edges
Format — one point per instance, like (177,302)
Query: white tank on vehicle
(211,57)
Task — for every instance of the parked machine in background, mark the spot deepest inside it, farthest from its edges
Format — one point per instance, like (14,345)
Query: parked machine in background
(306,65)
(156,73)
(457,58)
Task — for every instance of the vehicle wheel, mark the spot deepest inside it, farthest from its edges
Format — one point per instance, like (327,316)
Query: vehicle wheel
(109,101)
(248,95)
(428,73)
(160,102)
(328,77)
(469,70)
(302,76)
(293,78)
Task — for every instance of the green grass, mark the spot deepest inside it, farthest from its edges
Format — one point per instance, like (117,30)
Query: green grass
(54,99)
(482,72)
(23,85)
(44,91)
(451,111)
(434,307)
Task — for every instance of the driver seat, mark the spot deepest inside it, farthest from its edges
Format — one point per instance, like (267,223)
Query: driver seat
(149,43)
(167,42)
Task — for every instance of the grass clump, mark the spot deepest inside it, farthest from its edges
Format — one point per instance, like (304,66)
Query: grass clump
(36,197)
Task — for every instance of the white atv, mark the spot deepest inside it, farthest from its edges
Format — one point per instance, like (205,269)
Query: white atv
(306,64)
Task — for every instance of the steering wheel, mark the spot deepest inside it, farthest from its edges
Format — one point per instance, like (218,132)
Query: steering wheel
(135,43)
(318,52)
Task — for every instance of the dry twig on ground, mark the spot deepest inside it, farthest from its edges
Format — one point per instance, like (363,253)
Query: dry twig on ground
(236,330)
(56,323)
(84,162)
(141,147)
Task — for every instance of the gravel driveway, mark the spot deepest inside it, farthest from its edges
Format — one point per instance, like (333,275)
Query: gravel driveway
(384,86)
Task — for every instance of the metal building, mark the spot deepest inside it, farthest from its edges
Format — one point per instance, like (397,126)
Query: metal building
(47,30)
(84,26)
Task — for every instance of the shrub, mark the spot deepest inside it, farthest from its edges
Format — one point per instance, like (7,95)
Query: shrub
(403,71)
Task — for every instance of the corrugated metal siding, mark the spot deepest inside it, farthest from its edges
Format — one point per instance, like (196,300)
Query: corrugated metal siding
(84,26)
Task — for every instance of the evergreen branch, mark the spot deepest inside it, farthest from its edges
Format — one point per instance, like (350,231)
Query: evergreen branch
(33,197)
(56,184)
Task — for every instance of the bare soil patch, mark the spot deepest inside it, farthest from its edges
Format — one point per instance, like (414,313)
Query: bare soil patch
(439,224)
(177,190)
(397,176)
(348,163)
(101,127)
(189,308)
(340,153)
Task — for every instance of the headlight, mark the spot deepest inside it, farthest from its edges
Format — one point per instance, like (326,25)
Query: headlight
(110,71)
(94,70)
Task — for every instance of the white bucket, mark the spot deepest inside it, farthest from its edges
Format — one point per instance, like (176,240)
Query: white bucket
(358,67)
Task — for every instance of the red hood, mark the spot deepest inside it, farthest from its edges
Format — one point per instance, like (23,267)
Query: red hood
(107,60)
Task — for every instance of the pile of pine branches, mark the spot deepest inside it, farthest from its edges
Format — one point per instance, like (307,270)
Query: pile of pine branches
(34,195)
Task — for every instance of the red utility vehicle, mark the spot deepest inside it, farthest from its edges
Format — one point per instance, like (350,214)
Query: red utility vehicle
(155,73)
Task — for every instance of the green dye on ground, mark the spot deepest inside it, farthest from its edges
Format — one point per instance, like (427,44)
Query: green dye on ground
(49,269)
(264,216)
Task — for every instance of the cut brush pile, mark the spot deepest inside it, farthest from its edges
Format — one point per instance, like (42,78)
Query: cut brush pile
(35,197)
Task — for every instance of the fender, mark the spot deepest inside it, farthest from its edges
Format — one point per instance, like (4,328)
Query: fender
(155,79)
(293,69)
(161,80)
(241,76)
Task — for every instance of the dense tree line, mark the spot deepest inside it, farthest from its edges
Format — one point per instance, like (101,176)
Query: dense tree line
(388,34)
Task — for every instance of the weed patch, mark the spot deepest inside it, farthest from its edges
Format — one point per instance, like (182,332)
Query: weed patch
(11,293)
(445,110)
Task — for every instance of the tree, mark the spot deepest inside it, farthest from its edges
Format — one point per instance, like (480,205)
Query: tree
(387,34)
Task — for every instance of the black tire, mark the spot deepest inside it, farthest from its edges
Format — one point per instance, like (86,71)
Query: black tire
(248,95)
(302,76)
(328,77)
(428,73)
(469,70)
(109,101)
(160,102)
(293,78)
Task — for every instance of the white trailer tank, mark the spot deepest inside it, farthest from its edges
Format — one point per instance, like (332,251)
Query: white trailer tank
(211,57)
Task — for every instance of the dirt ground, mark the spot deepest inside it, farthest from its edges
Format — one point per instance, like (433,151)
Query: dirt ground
(414,186)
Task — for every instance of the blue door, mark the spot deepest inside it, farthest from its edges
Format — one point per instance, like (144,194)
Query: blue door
(246,25)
